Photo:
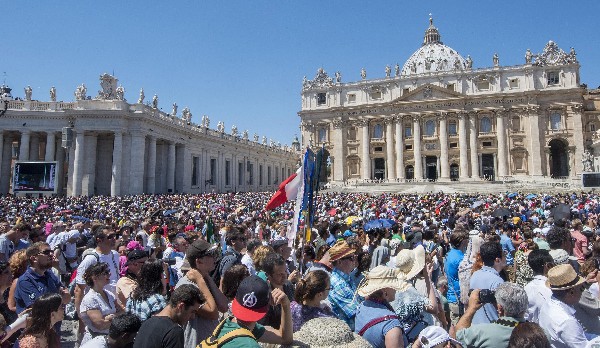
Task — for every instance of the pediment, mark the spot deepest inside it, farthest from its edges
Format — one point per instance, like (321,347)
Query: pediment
(429,92)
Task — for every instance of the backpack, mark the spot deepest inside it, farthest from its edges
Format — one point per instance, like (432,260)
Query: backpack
(218,271)
(213,341)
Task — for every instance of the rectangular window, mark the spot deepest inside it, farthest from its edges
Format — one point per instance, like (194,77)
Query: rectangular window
(483,85)
(250,167)
(321,98)
(240,173)
(195,166)
(453,145)
(260,176)
(407,131)
(376,95)
(452,128)
(513,83)
(351,98)
(268,175)
(213,171)
(408,147)
(405,91)
(227,173)
(487,144)
(553,78)
(378,149)
(451,87)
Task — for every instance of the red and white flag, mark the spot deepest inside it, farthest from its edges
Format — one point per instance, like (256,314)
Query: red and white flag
(288,190)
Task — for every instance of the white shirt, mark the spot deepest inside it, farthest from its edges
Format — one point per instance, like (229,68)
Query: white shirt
(563,330)
(247,261)
(112,259)
(538,294)
(98,342)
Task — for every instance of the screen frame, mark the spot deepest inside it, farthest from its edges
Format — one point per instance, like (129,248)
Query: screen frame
(14,177)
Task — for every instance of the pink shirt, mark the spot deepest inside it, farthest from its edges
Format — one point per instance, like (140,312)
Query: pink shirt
(580,243)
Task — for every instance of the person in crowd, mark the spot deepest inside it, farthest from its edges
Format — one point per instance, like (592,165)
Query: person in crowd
(18,264)
(148,297)
(126,284)
(65,251)
(557,315)
(488,277)
(156,242)
(46,312)
(528,335)
(561,246)
(587,310)
(341,294)
(376,320)
(232,279)
(538,293)
(10,239)
(380,253)
(247,258)
(201,256)
(508,248)
(524,273)
(580,245)
(247,313)
(38,279)
(415,306)
(165,329)
(511,304)
(444,310)
(469,265)
(176,252)
(121,334)
(281,246)
(235,240)
(98,306)
(275,268)
(458,242)
(310,298)
(259,255)
(435,337)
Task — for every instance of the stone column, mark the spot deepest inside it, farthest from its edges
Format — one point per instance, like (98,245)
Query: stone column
(78,163)
(339,151)
(389,149)
(117,159)
(24,147)
(89,176)
(5,163)
(138,149)
(399,147)
(34,148)
(151,174)
(474,147)
(576,115)
(171,168)
(535,148)
(417,148)
(443,160)
(50,146)
(366,156)
(60,153)
(501,135)
(462,146)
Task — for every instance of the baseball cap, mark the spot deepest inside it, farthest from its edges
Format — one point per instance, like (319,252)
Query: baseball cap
(431,336)
(199,248)
(251,299)
(277,242)
(135,255)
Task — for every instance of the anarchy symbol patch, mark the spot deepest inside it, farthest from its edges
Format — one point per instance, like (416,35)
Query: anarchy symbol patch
(249,300)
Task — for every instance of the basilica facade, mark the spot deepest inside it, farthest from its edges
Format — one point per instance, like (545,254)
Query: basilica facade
(104,145)
(439,118)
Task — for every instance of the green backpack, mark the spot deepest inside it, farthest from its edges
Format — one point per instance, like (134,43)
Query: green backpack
(214,342)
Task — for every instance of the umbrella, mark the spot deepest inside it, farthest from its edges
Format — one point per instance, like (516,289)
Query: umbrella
(169,212)
(477,204)
(350,219)
(500,212)
(561,211)
(512,195)
(42,207)
(332,211)
(379,223)
(531,196)
(80,218)
(66,211)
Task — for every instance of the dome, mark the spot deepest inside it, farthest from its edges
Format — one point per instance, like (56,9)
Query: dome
(433,56)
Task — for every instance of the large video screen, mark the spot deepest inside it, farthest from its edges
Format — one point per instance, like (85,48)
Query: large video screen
(34,177)
(590,179)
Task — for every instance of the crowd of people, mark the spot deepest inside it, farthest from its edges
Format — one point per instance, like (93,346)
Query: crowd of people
(384,270)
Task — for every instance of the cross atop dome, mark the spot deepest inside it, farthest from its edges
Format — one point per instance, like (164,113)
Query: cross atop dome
(432,35)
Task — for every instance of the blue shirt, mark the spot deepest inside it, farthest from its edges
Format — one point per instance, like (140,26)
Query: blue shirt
(453,259)
(31,285)
(507,246)
(485,278)
(369,310)
(341,296)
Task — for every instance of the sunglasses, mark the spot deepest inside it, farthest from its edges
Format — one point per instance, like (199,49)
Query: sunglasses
(46,252)
(111,236)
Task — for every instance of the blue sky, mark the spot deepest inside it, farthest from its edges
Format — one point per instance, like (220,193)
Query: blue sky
(242,62)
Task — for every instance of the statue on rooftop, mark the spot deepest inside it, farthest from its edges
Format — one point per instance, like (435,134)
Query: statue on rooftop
(221,127)
(142,96)
(120,93)
(496,60)
(81,92)
(469,62)
(234,130)
(338,77)
(363,73)
(397,70)
(528,56)
(155,102)
(186,115)
(28,92)
(245,135)
(53,93)
(264,140)
(174,112)
(388,71)
(255,138)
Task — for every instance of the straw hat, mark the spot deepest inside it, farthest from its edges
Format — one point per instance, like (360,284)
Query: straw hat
(563,277)
(410,262)
(381,277)
(327,332)
(340,250)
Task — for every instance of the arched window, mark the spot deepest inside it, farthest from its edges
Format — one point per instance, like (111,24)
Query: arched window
(555,121)
(322,135)
(378,131)
(486,125)
(429,128)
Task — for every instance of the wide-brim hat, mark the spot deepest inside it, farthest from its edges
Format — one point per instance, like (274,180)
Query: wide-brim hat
(340,250)
(381,277)
(326,332)
(410,262)
(563,277)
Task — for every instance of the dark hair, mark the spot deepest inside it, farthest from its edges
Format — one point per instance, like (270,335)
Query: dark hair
(528,335)
(537,259)
(556,236)
(124,323)
(22,227)
(233,235)
(34,249)
(253,244)
(272,260)
(232,279)
(93,271)
(312,284)
(98,234)
(149,280)
(489,251)
(322,250)
(189,294)
(457,237)
(40,319)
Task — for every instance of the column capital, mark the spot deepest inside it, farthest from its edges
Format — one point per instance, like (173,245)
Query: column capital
(463,114)
(531,109)
(500,112)
(442,116)
(388,120)
(338,124)
(416,117)
(577,108)
(364,122)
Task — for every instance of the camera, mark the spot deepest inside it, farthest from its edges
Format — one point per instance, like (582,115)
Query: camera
(487,296)
(170,262)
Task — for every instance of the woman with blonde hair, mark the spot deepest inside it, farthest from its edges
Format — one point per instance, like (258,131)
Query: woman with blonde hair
(18,265)
(259,255)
